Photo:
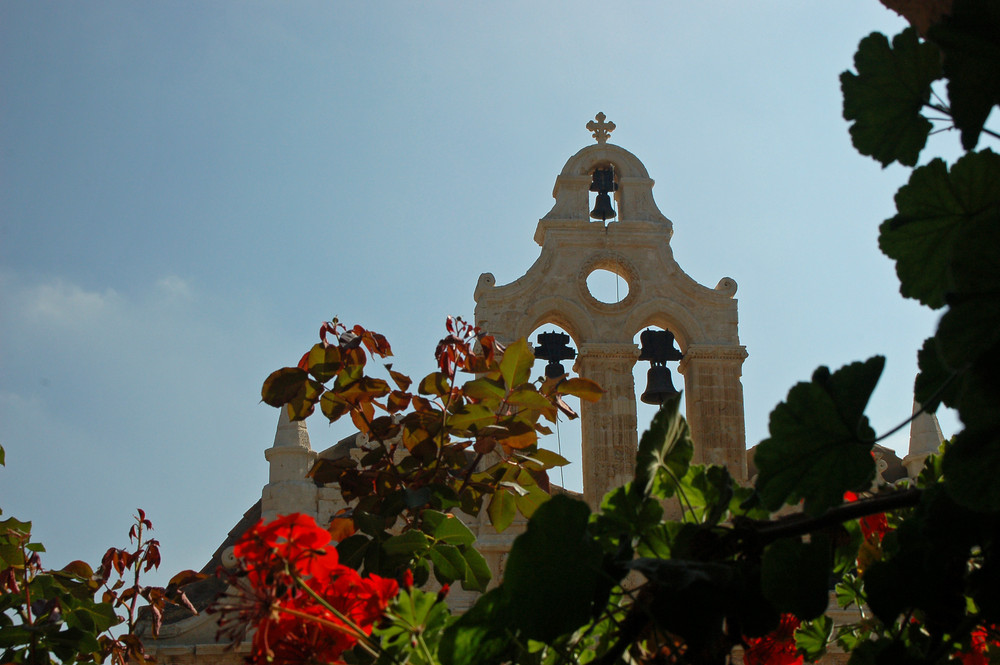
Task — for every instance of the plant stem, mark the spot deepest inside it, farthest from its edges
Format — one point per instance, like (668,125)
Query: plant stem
(355,630)
(800,525)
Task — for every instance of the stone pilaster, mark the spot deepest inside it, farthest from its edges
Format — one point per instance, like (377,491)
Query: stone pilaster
(609,428)
(714,403)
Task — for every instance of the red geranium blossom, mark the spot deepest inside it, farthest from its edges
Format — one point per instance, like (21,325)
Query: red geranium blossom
(305,605)
(978,653)
(775,648)
(873,527)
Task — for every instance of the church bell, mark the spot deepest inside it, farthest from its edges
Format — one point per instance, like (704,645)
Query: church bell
(659,386)
(658,347)
(553,346)
(603,182)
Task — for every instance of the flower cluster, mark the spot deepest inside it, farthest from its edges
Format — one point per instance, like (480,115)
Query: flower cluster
(775,648)
(305,605)
(873,527)
(981,640)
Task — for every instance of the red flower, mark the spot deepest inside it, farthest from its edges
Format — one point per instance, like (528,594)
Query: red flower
(280,564)
(979,643)
(775,648)
(873,527)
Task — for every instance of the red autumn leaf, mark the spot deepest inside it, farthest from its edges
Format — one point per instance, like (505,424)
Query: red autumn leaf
(401,380)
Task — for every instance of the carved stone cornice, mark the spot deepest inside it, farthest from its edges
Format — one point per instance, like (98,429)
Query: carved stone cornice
(608,350)
(710,352)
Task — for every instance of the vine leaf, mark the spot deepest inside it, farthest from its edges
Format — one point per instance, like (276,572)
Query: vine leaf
(970,62)
(885,97)
(812,637)
(820,443)
(480,636)
(936,209)
(554,561)
(970,466)
(515,366)
(795,576)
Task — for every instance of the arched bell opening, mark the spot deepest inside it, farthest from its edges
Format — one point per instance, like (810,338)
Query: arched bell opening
(555,354)
(655,373)
(603,196)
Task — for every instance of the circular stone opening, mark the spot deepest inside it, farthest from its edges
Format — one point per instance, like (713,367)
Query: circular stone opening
(606,286)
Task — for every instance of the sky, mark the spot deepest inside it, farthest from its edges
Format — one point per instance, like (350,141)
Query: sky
(187,190)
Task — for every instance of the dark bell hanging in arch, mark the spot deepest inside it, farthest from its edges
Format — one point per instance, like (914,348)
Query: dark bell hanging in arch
(657,346)
(659,386)
(553,346)
(603,182)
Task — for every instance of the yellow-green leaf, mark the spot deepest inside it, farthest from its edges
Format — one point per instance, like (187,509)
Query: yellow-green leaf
(435,383)
(515,367)
(324,362)
(502,510)
(484,388)
(471,416)
(583,388)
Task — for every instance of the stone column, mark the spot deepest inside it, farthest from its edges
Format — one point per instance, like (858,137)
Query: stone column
(714,402)
(609,428)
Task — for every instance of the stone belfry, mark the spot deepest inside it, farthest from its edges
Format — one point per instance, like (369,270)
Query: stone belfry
(636,247)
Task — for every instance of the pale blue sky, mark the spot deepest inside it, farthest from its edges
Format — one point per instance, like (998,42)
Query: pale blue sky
(188,189)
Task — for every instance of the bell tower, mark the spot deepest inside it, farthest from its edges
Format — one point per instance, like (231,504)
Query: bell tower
(632,240)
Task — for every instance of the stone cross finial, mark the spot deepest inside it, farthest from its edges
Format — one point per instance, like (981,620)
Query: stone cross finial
(602,130)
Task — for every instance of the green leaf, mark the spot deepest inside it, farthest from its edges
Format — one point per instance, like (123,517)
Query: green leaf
(820,443)
(936,384)
(934,209)
(515,367)
(449,564)
(528,397)
(665,451)
(885,97)
(477,571)
(542,459)
(624,511)
(812,637)
(534,497)
(484,388)
(690,598)
(502,509)
(480,636)
(849,591)
(969,39)
(94,618)
(407,542)
(447,528)
(795,576)
(414,615)
(554,562)
(352,550)
(708,492)
(971,466)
